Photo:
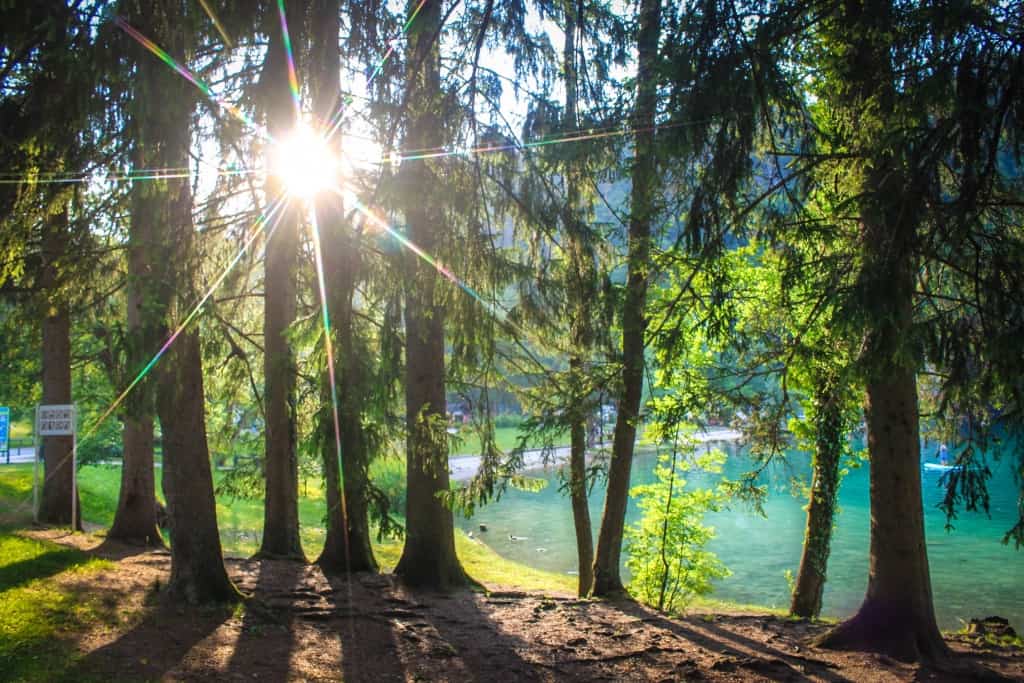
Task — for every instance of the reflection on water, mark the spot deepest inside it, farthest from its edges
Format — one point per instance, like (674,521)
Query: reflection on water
(973,574)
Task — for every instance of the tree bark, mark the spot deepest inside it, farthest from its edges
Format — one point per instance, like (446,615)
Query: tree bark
(428,556)
(607,577)
(581,292)
(57,494)
(829,435)
(197,565)
(281,504)
(897,616)
(135,518)
(348,546)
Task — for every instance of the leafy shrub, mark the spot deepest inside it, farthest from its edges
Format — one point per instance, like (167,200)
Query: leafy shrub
(388,476)
(666,547)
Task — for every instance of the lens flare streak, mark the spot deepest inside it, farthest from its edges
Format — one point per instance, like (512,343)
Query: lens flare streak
(414,248)
(394,44)
(329,346)
(190,77)
(216,23)
(293,81)
(258,229)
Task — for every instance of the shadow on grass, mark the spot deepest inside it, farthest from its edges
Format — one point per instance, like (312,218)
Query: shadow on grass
(42,608)
(42,566)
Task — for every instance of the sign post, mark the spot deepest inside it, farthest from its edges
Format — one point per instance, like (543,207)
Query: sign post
(57,420)
(5,432)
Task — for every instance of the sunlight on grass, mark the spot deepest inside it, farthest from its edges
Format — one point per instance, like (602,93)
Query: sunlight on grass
(240,522)
(507,438)
(36,611)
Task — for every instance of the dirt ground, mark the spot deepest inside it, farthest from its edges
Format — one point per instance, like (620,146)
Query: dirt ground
(301,625)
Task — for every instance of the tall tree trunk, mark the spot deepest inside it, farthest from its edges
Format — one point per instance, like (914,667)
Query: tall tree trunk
(197,564)
(281,505)
(428,557)
(581,291)
(135,518)
(897,616)
(607,578)
(348,544)
(55,502)
(829,435)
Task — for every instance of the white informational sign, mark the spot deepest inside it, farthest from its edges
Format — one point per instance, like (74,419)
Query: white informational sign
(55,420)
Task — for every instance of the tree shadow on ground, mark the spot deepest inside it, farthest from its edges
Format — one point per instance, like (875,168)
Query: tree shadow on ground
(268,612)
(154,647)
(45,565)
(743,655)
(117,550)
(391,634)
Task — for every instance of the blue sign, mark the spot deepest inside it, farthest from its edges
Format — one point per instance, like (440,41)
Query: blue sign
(5,429)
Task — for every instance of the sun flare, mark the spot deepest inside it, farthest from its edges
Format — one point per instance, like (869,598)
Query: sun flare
(303,162)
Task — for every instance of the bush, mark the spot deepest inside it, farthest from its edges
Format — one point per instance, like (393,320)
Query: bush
(666,547)
(388,474)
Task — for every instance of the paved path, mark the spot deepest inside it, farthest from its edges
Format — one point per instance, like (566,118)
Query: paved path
(20,454)
(463,467)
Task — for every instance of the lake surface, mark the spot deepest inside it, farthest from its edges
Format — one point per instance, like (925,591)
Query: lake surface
(973,574)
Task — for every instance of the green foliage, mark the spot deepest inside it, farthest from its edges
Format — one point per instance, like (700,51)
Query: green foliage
(387,474)
(507,420)
(667,559)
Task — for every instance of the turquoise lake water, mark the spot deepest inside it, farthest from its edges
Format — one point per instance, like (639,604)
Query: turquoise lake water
(973,574)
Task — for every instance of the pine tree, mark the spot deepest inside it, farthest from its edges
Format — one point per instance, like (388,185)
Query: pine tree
(197,567)
(428,557)
(281,504)
(607,578)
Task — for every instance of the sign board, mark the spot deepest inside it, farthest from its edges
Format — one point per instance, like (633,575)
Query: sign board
(55,420)
(5,432)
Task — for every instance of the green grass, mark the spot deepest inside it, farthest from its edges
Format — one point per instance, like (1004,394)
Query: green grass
(507,438)
(240,522)
(37,614)
(21,429)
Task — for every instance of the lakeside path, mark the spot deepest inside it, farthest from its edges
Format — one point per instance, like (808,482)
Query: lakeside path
(463,467)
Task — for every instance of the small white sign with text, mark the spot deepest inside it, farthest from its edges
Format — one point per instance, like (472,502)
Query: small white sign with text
(55,420)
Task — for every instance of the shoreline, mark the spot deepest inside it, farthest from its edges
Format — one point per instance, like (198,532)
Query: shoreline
(462,468)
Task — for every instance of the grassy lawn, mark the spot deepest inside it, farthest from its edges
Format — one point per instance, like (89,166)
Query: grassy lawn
(506,437)
(240,522)
(21,429)
(37,614)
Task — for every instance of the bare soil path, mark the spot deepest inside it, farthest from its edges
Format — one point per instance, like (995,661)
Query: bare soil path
(300,625)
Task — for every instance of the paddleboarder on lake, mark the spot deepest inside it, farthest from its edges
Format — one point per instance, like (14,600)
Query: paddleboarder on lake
(943,454)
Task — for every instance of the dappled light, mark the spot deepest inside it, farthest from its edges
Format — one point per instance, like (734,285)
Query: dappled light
(511,341)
